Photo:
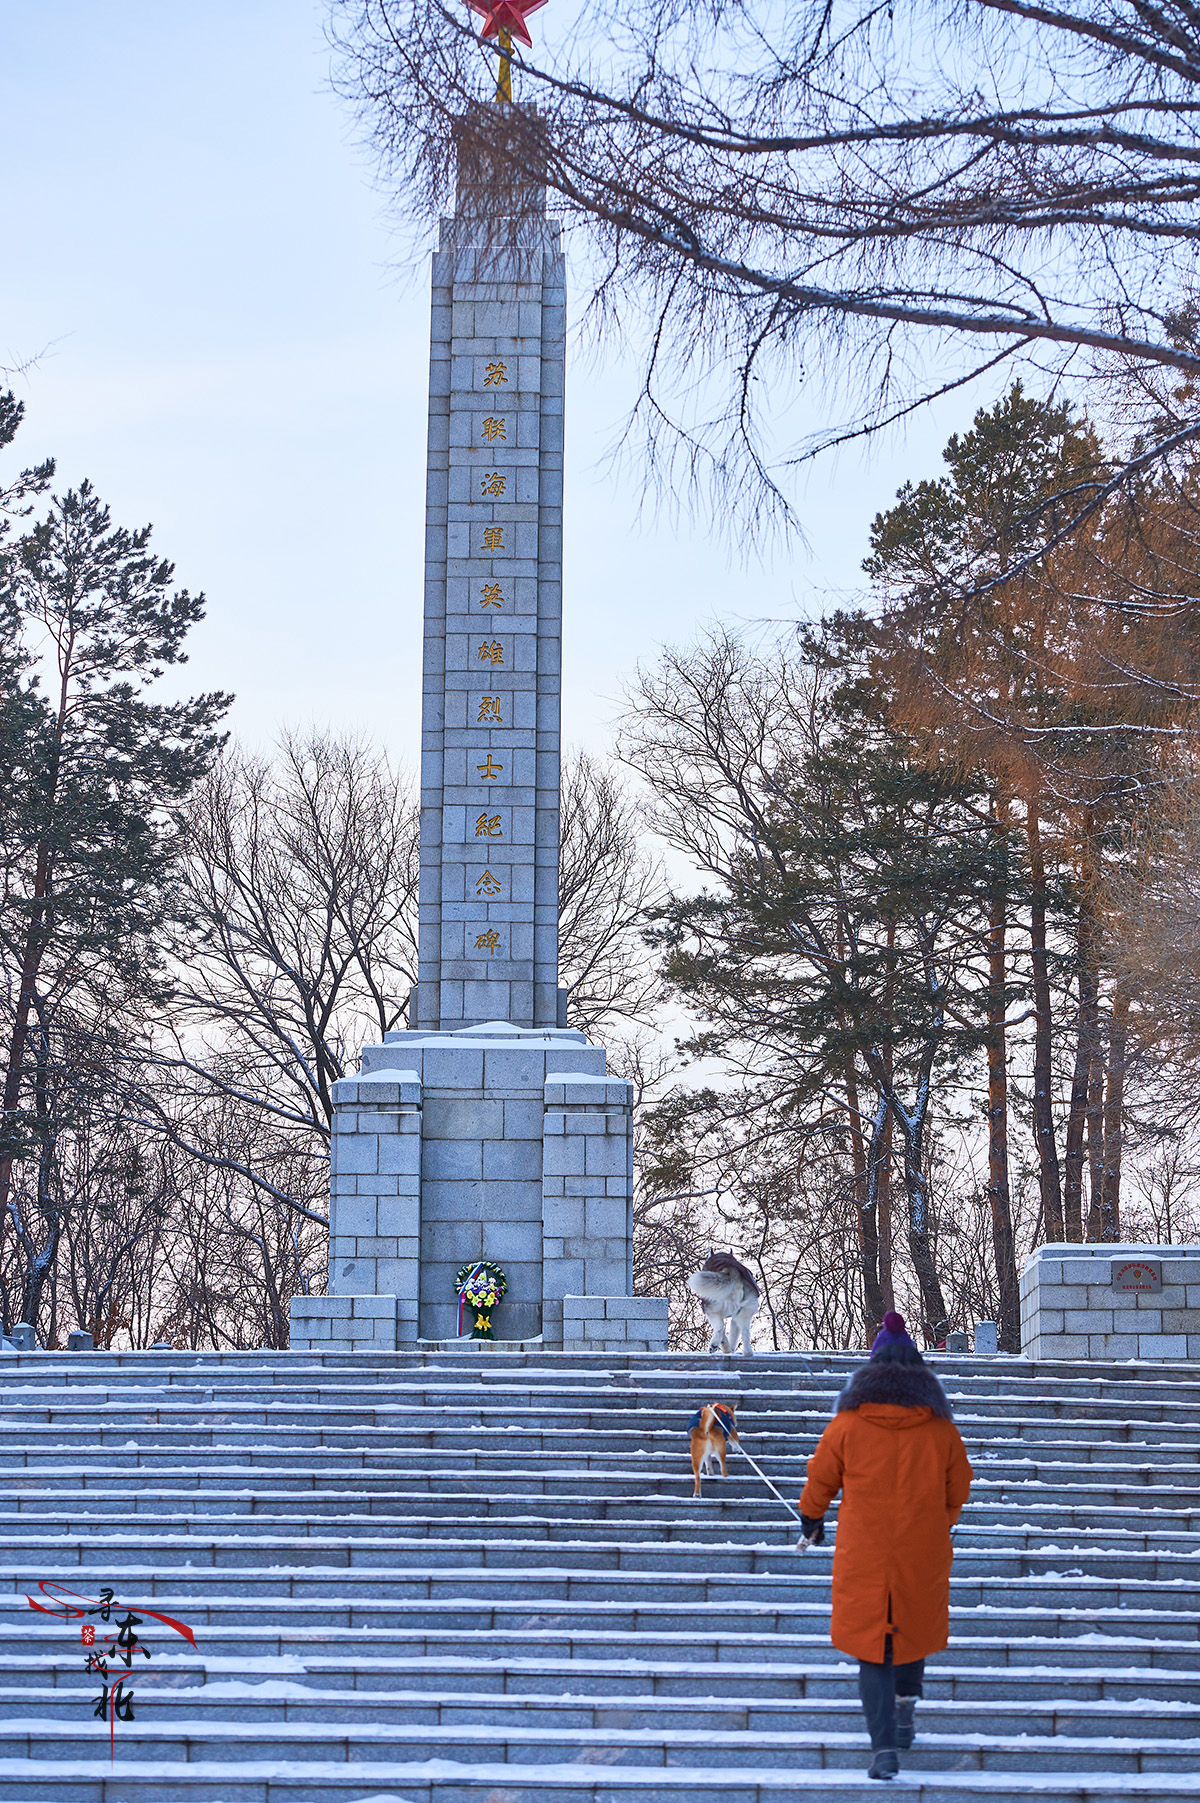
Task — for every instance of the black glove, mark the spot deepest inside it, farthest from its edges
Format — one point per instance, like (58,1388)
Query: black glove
(814,1528)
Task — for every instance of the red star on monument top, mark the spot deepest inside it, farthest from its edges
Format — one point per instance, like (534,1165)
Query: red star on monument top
(505,15)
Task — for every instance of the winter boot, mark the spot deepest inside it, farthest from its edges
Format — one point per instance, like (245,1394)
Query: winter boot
(885,1764)
(906,1730)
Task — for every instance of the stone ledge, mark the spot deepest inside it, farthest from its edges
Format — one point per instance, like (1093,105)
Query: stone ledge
(577,1090)
(467,1344)
(376,1089)
(321,1305)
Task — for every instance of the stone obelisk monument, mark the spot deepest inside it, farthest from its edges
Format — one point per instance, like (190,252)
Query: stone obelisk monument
(493,626)
(487,1129)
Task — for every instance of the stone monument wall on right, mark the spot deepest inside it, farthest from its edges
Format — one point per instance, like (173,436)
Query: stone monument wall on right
(1111,1302)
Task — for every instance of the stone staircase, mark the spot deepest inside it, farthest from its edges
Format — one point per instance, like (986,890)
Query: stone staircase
(464,1577)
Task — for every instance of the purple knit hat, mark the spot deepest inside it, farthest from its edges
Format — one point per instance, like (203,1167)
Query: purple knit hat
(892,1333)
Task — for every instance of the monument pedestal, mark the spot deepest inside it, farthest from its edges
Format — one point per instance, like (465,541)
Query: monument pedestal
(492,1141)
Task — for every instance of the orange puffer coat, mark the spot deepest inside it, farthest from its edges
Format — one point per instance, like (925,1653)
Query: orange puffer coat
(897,1457)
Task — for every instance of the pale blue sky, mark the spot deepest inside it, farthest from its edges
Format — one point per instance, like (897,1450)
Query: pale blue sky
(195,242)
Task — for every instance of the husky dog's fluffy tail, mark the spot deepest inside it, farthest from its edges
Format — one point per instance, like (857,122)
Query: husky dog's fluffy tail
(716,1276)
(714,1286)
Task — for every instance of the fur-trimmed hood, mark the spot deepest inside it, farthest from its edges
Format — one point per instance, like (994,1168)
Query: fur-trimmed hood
(904,1386)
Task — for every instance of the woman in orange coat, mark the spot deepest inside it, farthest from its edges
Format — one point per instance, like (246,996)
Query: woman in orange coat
(894,1452)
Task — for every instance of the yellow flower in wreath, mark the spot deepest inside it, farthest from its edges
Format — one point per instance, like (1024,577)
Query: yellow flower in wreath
(482,1321)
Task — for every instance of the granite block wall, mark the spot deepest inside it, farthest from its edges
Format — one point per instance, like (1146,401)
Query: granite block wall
(1074,1304)
(614,1323)
(375,1191)
(344,1324)
(587,1192)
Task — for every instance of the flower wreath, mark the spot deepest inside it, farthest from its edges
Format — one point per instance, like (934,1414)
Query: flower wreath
(480,1287)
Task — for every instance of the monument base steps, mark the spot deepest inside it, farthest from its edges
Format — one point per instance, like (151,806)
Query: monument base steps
(427,1576)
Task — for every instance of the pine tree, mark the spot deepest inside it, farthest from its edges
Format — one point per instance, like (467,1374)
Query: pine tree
(93,768)
(845,934)
(1056,686)
(964,669)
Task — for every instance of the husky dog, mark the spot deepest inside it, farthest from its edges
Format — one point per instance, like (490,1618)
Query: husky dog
(727,1292)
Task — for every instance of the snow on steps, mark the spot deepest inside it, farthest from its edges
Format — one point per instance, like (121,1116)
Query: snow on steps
(453,1781)
(452,1579)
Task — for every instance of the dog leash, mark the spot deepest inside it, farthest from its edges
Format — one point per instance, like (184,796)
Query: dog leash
(804,1543)
(770,1486)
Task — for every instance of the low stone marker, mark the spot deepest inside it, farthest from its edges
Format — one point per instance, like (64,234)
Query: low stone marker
(80,1341)
(1111,1302)
(23,1338)
(987,1339)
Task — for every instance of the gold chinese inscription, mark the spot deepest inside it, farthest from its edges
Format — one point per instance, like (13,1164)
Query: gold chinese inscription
(493,538)
(489,711)
(494,429)
(491,654)
(488,942)
(492,595)
(494,483)
(488,827)
(488,771)
(487,884)
(495,374)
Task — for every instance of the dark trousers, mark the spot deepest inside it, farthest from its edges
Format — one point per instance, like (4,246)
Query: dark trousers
(879,1686)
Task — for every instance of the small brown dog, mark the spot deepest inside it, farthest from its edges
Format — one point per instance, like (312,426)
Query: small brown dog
(713,1427)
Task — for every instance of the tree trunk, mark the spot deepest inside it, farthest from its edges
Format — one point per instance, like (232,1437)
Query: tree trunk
(41,1260)
(876,1166)
(1114,1101)
(1085,1047)
(883,1191)
(920,1243)
(916,1189)
(883,1216)
(865,1208)
(1003,1247)
(1043,1113)
(37,938)
(1095,1134)
(276,1305)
